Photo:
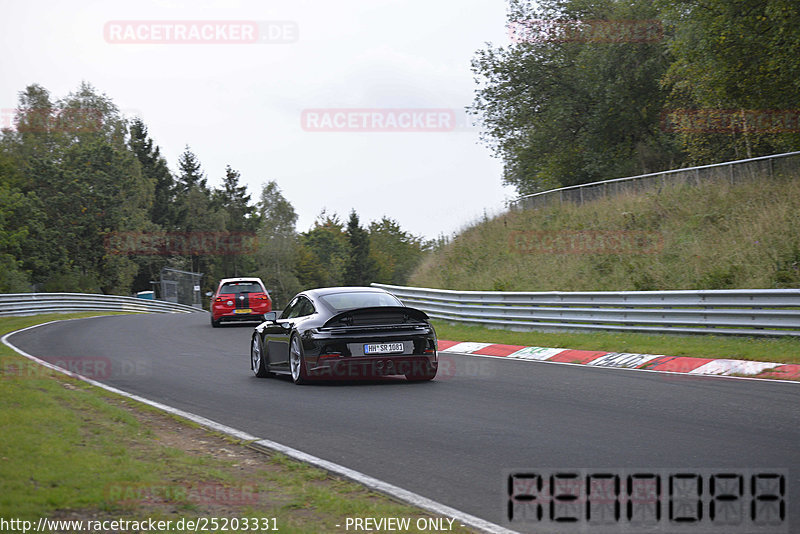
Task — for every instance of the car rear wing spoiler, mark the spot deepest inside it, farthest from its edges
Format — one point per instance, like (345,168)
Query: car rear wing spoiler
(407,316)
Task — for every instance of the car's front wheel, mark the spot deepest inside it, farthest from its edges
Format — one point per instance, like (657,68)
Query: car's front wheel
(257,361)
(297,362)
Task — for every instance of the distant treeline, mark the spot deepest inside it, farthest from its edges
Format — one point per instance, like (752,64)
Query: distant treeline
(597,89)
(89,204)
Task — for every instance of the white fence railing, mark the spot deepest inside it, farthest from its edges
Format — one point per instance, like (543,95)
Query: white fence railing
(36,303)
(752,312)
(730,171)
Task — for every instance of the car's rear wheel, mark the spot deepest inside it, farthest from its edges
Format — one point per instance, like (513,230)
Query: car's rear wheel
(297,362)
(422,373)
(257,361)
(214,324)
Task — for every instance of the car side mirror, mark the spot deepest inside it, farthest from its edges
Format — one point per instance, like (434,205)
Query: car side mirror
(271,316)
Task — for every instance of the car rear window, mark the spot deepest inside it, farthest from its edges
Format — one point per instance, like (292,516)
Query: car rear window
(241,287)
(359,299)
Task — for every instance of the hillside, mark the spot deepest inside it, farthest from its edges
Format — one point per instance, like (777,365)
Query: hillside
(715,236)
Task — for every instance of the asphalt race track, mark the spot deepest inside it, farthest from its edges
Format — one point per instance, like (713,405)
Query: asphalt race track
(452,439)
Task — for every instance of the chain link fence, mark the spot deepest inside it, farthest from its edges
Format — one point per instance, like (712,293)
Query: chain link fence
(181,287)
(732,172)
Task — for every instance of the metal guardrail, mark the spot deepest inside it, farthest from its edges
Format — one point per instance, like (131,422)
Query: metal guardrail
(730,171)
(751,312)
(36,303)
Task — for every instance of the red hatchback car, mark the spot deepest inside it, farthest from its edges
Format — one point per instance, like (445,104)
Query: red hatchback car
(239,299)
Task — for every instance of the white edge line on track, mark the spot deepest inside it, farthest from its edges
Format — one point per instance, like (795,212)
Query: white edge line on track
(366,480)
(679,373)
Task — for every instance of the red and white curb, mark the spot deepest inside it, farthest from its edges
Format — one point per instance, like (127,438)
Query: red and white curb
(624,360)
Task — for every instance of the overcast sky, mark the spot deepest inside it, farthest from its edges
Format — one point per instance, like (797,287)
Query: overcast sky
(243,104)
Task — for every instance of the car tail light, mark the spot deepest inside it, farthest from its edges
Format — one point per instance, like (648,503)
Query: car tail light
(331,355)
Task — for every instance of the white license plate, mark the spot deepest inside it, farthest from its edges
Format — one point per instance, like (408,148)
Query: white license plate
(244,310)
(383,348)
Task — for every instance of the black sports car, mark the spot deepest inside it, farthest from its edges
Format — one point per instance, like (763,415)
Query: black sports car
(345,333)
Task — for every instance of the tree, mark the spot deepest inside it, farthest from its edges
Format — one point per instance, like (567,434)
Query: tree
(191,173)
(734,56)
(328,249)
(309,271)
(154,168)
(198,215)
(565,107)
(235,202)
(361,268)
(82,184)
(193,198)
(277,244)
(395,252)
(16,213)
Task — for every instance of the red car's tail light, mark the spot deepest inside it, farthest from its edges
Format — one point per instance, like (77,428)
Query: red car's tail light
(331,355)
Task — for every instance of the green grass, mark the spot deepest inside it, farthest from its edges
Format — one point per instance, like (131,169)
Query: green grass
(780,350)
(73,451)
(716,236)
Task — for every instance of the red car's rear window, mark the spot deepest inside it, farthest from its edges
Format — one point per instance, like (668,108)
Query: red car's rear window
(241,287)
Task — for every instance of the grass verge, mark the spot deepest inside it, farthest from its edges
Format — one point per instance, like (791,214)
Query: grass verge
(779,350)
(713,236)
(72,451)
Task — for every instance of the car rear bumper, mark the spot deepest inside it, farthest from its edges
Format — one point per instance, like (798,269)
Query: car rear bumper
(230,316)
(352,368)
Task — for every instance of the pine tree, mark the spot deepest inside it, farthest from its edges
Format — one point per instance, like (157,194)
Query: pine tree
(191,174)
(235,202)
(154,168)
(361,268)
